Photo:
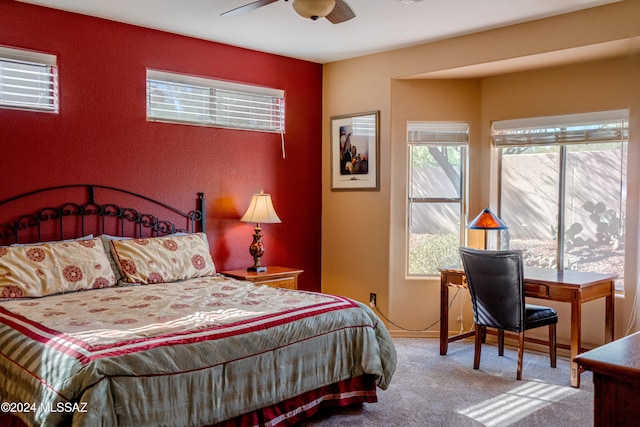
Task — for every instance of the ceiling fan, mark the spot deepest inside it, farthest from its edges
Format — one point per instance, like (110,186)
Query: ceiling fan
(336,11)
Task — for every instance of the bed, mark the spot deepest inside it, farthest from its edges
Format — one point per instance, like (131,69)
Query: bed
(111,316)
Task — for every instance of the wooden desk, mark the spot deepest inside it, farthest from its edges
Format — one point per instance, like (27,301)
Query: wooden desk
(616,381)
(569,286)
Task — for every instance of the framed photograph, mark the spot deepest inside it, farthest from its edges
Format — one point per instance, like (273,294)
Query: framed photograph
(355,145)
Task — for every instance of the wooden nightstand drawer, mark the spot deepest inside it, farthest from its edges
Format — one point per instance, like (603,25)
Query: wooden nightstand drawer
(278,277)
(288,283)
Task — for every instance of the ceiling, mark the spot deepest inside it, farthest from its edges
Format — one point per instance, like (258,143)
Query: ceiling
(380,25)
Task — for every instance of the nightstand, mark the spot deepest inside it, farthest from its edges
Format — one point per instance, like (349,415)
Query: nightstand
(278,277)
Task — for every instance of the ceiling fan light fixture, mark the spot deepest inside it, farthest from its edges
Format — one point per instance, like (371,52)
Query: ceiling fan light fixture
(313,9)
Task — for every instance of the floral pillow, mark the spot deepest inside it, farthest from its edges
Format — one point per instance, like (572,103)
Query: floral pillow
(163,259)
(51,268)
(106,242)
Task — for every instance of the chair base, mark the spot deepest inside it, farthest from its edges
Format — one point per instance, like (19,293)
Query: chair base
(480,335)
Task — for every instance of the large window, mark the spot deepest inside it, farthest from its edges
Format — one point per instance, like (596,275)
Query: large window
(437,161)
(563,190)
(188,99)
(28,80)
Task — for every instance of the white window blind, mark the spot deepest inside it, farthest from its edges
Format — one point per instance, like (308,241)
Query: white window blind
(189,99)
(595,127)
(438,133)
(28,80)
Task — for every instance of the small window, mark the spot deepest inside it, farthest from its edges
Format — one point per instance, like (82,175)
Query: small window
(28,80)
(436,195)
(179,98)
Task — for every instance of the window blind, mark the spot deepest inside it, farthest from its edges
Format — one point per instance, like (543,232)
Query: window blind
(602,126)
(28,80)
(438,133)
(189,99)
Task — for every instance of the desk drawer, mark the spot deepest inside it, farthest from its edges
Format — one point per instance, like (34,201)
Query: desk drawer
(536,291)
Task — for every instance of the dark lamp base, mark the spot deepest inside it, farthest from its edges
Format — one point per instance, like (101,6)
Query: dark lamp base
(257,250)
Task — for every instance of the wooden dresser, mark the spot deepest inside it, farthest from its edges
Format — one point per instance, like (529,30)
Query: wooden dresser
(616,381)
(279,277)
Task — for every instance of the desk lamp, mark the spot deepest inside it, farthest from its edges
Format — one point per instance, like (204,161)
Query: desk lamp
(260,211)
(486,220)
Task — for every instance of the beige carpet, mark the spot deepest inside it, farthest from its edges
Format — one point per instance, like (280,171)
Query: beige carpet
(432,390)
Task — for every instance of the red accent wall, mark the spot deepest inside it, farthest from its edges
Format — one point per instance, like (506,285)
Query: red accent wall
(101,134)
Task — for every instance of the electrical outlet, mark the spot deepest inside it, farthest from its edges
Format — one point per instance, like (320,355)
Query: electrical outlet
(373,299)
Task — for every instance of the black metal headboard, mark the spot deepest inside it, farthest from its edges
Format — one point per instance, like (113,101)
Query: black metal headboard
(75,219)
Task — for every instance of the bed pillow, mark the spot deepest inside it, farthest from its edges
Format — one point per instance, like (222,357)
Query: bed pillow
(106,243)
(51,268)
(163,259)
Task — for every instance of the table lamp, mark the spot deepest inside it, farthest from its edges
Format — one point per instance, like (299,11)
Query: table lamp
(486,220)
(260,211)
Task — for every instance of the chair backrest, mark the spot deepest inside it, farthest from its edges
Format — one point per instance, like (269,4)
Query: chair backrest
(496,284)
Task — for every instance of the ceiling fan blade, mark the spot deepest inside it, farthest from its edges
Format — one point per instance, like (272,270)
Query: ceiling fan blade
(341,13)
(247,7)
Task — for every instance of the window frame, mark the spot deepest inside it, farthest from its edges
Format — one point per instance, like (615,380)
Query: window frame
(215,116)
(439,134)
(567,130)
(10,55)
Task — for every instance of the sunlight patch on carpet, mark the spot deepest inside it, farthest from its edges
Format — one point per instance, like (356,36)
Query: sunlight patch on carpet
(514,405)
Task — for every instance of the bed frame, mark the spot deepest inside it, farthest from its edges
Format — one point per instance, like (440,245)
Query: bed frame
(85,216)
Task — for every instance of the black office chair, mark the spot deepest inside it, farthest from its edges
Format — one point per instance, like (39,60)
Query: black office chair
(496,284)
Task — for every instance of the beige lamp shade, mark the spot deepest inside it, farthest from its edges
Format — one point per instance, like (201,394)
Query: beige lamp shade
(313,9)
(261,210)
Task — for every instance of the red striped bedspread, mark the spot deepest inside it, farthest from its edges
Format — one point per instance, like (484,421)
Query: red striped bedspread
(195,352)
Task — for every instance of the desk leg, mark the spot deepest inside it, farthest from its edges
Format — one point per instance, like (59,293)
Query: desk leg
(444,316)
(576,335)
(610,314)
